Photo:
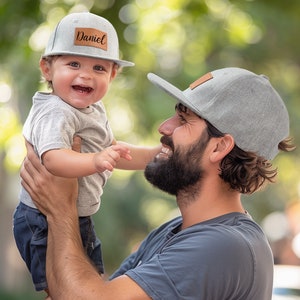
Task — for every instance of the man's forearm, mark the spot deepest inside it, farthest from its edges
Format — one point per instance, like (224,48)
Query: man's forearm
(71,276)
(68,269)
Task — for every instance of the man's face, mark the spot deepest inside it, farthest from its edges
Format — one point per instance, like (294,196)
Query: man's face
(178,166)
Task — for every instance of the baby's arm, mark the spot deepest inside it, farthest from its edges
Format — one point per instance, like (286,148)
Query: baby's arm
(141,156)
(69,163)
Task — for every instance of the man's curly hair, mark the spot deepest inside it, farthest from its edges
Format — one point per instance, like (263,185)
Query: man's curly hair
(245,172)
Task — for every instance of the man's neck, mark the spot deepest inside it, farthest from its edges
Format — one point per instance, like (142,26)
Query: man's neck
(208,204)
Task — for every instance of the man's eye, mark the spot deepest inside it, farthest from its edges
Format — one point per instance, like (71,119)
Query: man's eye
(74,64)
(182,119)
(99,68)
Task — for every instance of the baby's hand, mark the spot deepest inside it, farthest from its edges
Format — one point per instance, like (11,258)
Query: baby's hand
(108,158)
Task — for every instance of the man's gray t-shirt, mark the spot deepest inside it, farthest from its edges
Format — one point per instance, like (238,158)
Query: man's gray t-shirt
(227,257)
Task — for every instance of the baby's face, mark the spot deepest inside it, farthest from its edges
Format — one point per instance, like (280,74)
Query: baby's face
(78,80)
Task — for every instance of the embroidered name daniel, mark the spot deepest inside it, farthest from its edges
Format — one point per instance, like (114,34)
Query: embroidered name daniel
(90,37)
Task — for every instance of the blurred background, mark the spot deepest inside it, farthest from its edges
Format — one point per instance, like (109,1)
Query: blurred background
(178,40)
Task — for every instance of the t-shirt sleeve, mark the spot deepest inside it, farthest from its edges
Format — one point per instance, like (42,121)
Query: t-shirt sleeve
(54,130)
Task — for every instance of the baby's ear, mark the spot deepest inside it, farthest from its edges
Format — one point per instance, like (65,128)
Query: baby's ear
(114,72)
(45,69)
(223,146)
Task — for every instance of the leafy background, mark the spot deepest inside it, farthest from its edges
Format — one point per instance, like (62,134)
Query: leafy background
(177,39)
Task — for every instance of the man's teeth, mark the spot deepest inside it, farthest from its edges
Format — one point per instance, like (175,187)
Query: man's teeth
(165,150)
(164,153)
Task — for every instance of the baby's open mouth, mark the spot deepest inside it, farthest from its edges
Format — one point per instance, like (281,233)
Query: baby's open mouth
(82,89)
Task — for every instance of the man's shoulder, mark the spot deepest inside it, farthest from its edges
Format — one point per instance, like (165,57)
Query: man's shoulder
(231,232)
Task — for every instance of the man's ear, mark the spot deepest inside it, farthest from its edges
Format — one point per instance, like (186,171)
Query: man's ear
(45,69)
(223,146)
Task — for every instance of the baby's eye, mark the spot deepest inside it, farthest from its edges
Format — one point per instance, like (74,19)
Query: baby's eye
(74,64)
(99,68)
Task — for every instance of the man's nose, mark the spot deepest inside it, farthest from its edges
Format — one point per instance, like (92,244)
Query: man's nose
(168,126)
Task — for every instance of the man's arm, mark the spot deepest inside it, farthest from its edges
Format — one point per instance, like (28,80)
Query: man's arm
(69,273)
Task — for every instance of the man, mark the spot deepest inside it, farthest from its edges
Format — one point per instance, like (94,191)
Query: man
(227,127)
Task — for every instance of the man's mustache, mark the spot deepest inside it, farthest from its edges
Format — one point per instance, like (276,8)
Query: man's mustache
(166,140)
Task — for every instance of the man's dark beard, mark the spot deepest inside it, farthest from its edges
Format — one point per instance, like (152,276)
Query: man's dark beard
(181,170)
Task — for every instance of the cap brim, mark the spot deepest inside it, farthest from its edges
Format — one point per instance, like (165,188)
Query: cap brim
(121,63)
(169,88)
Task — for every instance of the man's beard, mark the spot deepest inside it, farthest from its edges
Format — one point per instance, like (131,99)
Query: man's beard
(180,171)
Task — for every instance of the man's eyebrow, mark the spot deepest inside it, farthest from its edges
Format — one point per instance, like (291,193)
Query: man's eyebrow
(181,108)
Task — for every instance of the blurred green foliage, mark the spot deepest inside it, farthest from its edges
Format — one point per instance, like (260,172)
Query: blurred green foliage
(177,39)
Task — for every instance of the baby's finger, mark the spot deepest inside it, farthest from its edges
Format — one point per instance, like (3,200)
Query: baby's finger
(120,148)
(123,151)
(108,166)
(126,155)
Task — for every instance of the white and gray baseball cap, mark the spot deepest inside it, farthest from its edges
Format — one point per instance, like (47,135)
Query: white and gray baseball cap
(237,102)
(85,34)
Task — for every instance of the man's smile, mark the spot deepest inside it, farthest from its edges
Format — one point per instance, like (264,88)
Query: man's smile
(165,153)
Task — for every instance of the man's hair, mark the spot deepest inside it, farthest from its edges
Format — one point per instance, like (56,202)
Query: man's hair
(245,172)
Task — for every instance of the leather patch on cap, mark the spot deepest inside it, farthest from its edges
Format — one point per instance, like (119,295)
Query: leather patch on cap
(90,37)
(201,80)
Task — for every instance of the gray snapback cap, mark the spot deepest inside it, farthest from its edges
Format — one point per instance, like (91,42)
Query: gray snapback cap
(237,102)
(85,34)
